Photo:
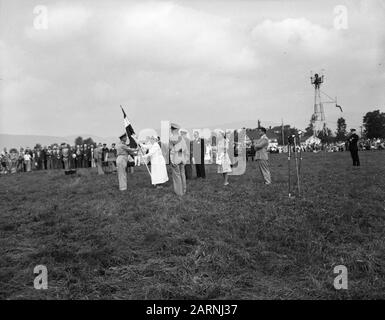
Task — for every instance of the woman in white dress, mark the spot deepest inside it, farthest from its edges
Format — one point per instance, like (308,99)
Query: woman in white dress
(223,159)
(158,164)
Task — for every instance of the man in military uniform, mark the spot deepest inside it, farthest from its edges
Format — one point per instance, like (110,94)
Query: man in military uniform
(261,155)
(353,140)
(123,151)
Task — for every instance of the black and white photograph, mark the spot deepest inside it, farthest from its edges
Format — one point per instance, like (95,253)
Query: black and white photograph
(209,152)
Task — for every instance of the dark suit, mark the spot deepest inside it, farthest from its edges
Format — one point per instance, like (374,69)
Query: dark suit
(86,157)
(79,158)
(199,150)
(39,159)
(104,155)
(353,147)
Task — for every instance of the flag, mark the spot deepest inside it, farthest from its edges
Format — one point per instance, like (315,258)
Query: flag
(129,130)
(338,106)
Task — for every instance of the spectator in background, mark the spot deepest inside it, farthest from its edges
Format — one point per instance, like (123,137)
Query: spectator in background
(252,151)
(13,159)
(98,156)
(27,161)
(92,154)
(20,161)
(44,158)
(73,158)
(66,156)
(353,147)
(55,157)
(223,159)
(113,150)
(79,156)
(199,150)
(49,156)
(111,160)
(105,151)
(188,165)
(4,161)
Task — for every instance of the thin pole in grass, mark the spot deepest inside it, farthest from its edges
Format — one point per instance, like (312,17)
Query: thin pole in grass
(288,162)
(297,166)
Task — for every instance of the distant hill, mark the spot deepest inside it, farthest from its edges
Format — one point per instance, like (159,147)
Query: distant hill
(17,141)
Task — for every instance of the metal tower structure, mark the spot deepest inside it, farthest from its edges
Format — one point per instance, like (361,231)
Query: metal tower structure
(318,118)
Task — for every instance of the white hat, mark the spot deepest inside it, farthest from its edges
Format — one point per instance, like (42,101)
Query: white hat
(183,130)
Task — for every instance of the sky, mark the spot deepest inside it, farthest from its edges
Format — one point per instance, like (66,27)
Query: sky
(66,66)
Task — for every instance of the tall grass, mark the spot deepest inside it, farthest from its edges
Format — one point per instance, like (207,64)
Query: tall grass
(244,241)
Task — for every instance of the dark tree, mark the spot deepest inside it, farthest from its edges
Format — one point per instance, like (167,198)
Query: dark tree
(374,123)
(309,131)
(88,141)
(341,130)
(78,141)
(326,135)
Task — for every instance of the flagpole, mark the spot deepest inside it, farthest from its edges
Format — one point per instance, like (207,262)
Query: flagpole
(128,138)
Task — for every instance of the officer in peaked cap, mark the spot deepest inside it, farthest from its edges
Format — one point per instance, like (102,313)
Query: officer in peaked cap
(123,151)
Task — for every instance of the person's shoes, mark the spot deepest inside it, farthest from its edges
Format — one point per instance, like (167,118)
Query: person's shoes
(226,184)
(267,183)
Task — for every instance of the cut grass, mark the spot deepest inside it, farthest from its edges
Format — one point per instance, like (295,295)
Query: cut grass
(244,241)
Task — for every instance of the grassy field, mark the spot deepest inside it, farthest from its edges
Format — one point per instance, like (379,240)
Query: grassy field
(244,241)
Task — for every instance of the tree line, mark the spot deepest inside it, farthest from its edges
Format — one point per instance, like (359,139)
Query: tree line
(373,126)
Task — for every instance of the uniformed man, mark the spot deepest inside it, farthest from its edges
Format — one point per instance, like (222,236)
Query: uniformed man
(353,147)
(261,155)
(122,152)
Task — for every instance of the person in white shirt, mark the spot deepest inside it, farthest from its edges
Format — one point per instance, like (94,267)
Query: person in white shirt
(158,164)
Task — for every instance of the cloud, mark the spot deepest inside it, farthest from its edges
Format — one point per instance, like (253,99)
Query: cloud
(166,60)
(63,21)
(167,35)
(296,36)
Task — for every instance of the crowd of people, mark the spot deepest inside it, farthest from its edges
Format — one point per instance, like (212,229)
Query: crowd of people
(183,155)
(57,156)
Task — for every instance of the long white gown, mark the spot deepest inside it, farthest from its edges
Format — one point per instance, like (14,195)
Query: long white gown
(158,164)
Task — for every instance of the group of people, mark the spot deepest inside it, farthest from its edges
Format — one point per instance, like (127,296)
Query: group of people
(61,156)
(183,155)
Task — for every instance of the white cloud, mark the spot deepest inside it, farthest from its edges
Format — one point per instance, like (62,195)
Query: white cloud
(63,21)
(171,36)
(164,60)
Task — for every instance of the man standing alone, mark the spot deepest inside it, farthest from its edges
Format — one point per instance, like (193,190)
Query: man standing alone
(261,155)
(353,140)
(199,150)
